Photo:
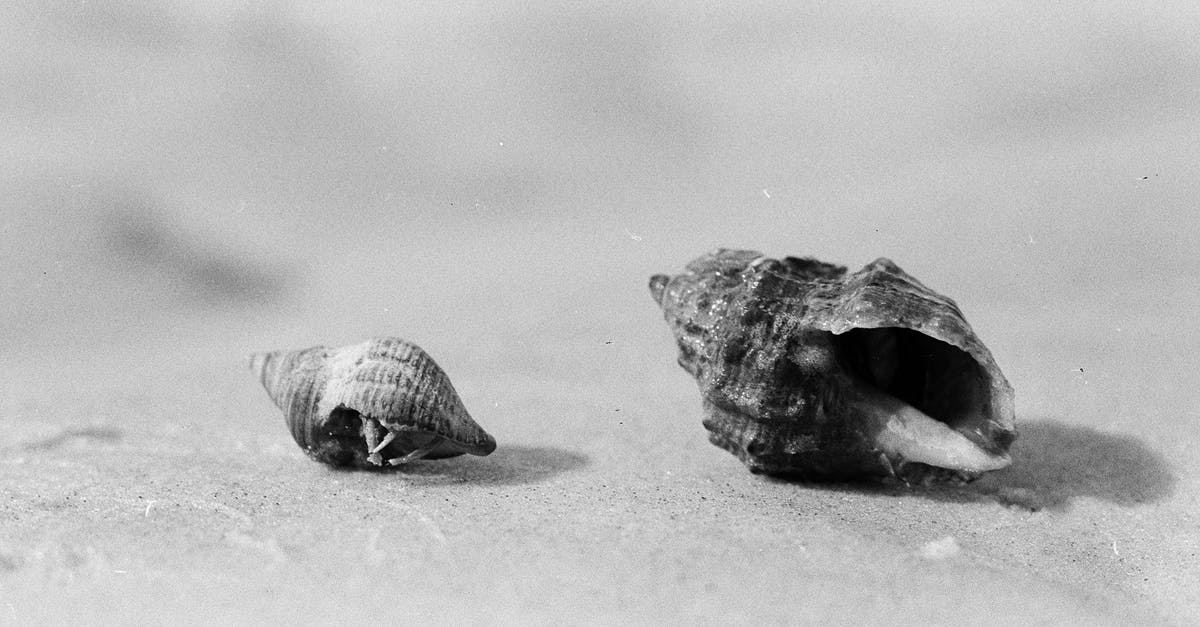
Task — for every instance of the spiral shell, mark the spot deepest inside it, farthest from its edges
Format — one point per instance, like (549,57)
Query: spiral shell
(808,371)
(380,403)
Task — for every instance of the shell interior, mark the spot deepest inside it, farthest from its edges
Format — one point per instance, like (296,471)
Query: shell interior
(935,378)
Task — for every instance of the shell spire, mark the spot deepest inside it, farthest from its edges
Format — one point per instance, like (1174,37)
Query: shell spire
(810,371)
(380,403)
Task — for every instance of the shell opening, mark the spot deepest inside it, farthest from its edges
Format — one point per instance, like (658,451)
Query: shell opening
(338,440)
(344,441)
(931,400)
(940,380)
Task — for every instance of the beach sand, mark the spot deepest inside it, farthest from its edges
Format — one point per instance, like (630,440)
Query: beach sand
(186,184)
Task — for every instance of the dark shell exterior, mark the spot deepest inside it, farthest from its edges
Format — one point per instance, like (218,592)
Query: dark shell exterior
(340,403)
(791,356)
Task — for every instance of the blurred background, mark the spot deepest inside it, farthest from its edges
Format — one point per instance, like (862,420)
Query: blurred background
(182,183)
(218,154)
(288,173)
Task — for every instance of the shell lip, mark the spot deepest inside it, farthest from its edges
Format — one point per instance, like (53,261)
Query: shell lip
(466,437)
(485,448)
(481,449)
(483,444)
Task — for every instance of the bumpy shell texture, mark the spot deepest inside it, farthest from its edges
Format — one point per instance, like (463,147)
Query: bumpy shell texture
(808,371)
(378,404)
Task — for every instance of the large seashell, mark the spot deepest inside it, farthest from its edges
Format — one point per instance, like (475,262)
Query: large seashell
(380,403)
(808,371)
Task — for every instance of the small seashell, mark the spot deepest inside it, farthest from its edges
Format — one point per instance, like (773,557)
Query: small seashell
(808,371)
(377,404)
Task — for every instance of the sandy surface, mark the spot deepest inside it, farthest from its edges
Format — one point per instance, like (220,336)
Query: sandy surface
(183,186)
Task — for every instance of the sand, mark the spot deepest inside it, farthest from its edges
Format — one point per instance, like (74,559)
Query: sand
(184,185)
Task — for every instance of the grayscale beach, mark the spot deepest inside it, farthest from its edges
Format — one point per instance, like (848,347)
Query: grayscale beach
(184,184)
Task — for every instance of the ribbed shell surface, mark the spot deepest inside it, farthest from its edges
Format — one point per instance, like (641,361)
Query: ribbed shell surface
(388,379)
(399,385)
